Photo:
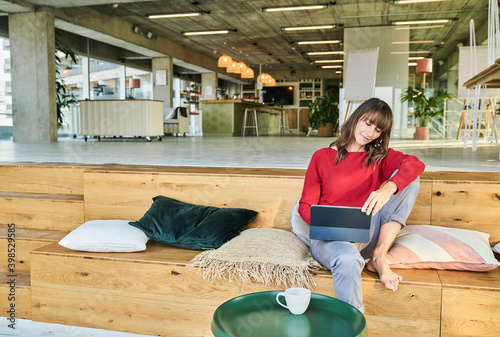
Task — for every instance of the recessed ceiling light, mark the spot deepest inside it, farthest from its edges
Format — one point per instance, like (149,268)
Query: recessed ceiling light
(329,61)
(411,52)
(412,64)
(415,57)
(325,53)
(308,27)
(208,32)
(318,42)
(420,27)
(406,42)
(331,67)
(175,15)
(293,8)
(419,22)
(406,2)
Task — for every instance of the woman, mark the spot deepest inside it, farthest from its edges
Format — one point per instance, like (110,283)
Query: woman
(359,170)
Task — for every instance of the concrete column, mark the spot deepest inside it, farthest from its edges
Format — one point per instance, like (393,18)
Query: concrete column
(33,74)
(123,86)
(209,85)
(161,91)
(85,77)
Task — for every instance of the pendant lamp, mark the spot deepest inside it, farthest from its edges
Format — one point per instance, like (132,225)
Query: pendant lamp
(263,77)
(233,67)
(248,73)
(270,82)
(224,61)
(239,67)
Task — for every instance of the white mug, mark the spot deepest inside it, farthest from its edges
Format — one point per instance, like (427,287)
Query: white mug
(297,300)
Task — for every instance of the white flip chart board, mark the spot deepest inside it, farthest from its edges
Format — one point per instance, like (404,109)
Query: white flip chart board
(360,74)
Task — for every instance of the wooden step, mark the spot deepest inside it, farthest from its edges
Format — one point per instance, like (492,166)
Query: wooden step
(42,211)
(468,200)
(155,292)
(42,178)
(19,295)
(25,241)
(471,303)
(126,194)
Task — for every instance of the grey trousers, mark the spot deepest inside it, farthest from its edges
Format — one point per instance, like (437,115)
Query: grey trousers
(345,259)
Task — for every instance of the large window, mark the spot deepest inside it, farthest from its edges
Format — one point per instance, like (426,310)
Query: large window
(5,90)
(139,83)
(104,80)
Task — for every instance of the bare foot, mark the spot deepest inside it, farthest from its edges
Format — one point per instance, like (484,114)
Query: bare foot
(387,276)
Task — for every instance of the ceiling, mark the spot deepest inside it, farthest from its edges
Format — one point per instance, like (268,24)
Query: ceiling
(259,40)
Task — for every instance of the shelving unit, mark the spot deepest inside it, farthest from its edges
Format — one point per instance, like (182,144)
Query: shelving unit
(309,90)
(191,100)
(248,92)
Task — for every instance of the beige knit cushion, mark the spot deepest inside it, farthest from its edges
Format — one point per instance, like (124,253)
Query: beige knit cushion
(265,255)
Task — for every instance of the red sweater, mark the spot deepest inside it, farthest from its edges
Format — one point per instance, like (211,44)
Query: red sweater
(349,183)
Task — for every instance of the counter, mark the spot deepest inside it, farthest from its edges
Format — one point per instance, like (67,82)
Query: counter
(225,117)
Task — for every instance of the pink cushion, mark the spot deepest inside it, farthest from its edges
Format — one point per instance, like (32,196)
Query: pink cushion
(435,247)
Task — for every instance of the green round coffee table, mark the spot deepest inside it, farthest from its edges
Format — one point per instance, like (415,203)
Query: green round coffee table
(258,315)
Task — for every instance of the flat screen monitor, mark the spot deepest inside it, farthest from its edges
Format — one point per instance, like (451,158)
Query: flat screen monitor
(278,95)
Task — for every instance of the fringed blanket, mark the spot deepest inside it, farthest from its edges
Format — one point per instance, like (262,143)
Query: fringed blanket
(266,255)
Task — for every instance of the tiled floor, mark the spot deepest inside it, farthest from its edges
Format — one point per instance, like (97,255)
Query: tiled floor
(273,152)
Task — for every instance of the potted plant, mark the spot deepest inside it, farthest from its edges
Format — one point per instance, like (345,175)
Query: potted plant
(64,98)
(426,105)
(324,114)
(221,93)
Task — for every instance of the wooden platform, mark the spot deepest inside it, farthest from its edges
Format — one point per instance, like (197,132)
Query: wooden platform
(155,292)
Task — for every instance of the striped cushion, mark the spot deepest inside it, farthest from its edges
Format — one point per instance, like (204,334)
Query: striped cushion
(435,247)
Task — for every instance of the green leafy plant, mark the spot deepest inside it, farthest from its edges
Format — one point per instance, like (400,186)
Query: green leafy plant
(324,110)
(63,97)
(221,92)
(426,104)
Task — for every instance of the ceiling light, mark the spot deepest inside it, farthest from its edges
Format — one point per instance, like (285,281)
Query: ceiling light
(248,73)
(406,2)
(318,42)
(294,8)
(331,67)
(224,61)
(412,64)
(419,22)
(330,61)
(405,42)
(175,15)
(233,67)
(421,27)
(411,52)
(415,58)
(208,32)
(325,53)
(308,27)
(241,67)
(263,77)
(338,72)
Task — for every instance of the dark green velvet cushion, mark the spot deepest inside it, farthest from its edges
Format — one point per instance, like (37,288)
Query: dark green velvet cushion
(192,226)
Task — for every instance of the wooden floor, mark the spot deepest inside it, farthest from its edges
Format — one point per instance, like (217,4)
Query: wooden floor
(154,292)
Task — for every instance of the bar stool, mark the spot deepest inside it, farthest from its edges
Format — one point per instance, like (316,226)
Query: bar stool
(247,118)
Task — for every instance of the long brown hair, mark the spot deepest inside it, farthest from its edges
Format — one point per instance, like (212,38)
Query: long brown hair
(379,113)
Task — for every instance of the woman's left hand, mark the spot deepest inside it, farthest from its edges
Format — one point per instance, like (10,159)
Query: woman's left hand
(377,199)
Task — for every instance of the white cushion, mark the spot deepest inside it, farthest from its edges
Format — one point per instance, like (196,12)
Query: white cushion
(298,226)
(496,249)
(106,236)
